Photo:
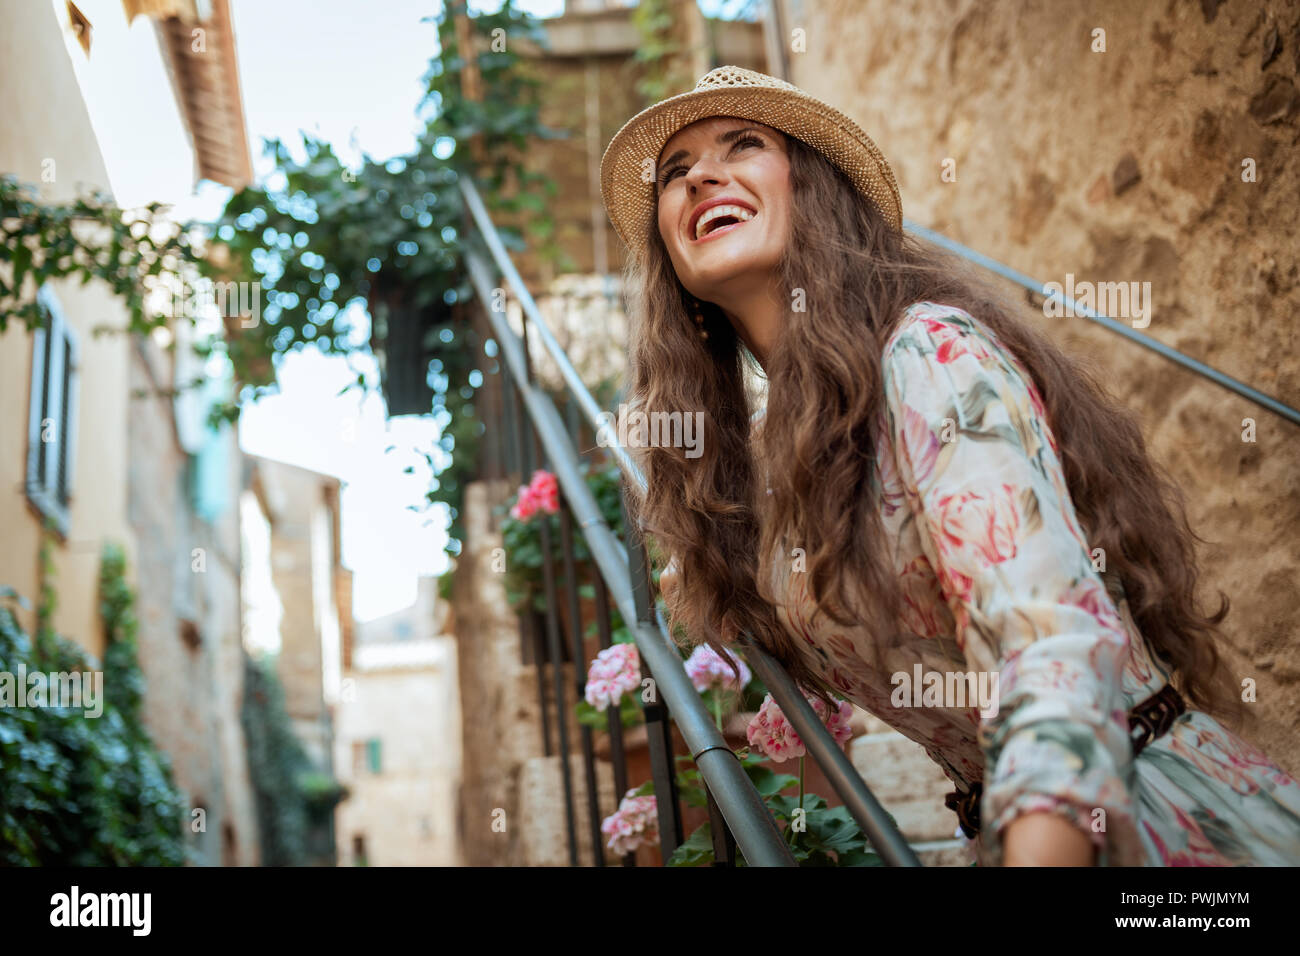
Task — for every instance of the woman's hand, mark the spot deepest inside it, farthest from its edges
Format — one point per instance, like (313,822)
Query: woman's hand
(1046,839)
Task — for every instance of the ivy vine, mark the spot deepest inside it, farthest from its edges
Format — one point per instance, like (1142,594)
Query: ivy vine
(80,790)
(86,238)
(292,798)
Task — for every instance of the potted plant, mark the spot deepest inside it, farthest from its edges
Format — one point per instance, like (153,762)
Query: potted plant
(535,505)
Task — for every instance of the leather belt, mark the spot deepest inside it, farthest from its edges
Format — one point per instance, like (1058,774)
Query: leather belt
(1146,721)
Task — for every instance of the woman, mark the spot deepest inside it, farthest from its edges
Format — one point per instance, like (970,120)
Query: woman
(933,488)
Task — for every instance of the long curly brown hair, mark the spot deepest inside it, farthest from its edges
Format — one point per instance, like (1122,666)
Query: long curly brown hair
(815,447)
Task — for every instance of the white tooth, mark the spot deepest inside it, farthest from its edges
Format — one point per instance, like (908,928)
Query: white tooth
(736,212)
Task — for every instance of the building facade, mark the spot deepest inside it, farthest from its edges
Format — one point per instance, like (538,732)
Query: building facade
(91,437)
(398,740)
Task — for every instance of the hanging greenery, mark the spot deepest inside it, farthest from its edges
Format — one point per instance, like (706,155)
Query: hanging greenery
(658,55)
(87,238)
(291,796)
(319,237)
(391,235)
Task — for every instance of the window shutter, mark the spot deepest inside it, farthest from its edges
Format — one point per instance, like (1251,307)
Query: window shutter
(52,420)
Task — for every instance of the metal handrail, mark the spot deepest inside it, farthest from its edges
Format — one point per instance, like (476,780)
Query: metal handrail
(1119,328)
(747,816)
(743,809)
(577,387)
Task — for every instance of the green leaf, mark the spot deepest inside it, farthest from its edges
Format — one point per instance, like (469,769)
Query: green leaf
(784,806)
(696,851)
(22,259)
(860,857)
(589,716)
(767,782)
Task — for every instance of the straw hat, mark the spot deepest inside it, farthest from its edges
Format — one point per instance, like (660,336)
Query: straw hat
(627,173)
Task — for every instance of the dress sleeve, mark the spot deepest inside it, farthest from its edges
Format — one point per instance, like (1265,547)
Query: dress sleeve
(980,472)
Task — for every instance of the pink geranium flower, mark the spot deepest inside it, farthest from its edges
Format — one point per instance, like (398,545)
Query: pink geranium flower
(771,734)
(635,822)
(615,671)
(707,669)
(524,507)
(542,493)
(546,490)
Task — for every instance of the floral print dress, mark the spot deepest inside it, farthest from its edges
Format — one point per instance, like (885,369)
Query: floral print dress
(998,577)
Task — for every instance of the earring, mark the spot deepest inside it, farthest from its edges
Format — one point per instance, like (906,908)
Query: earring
(697,309)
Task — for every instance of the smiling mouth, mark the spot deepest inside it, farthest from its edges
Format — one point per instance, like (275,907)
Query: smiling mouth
(720,219)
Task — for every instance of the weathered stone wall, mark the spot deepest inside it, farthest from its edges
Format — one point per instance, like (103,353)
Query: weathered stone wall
(1124,165)
(302,508)
(500,716)
(189,622)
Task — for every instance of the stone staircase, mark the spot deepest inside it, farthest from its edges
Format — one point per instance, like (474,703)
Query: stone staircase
(911,787)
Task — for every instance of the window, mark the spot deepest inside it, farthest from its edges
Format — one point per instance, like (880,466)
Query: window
(191,636)
(51,429)
(367,756)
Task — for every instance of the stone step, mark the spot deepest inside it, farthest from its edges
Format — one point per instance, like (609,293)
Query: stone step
(908,784)
(542,837)
(943,853)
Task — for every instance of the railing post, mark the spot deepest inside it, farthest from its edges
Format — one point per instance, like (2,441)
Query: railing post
(580,676)
(659,731)
(509,415)
(573,421)
(533,629)
(556,654)
(724,845)
(613,713)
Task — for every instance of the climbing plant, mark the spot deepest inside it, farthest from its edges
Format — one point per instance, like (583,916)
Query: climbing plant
(85,238)
(658,53)
(77,789)
(279,768)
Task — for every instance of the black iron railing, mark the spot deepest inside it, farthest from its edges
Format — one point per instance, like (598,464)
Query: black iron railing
(538,435)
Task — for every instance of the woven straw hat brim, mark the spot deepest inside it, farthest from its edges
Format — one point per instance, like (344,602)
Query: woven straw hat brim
(627,171)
